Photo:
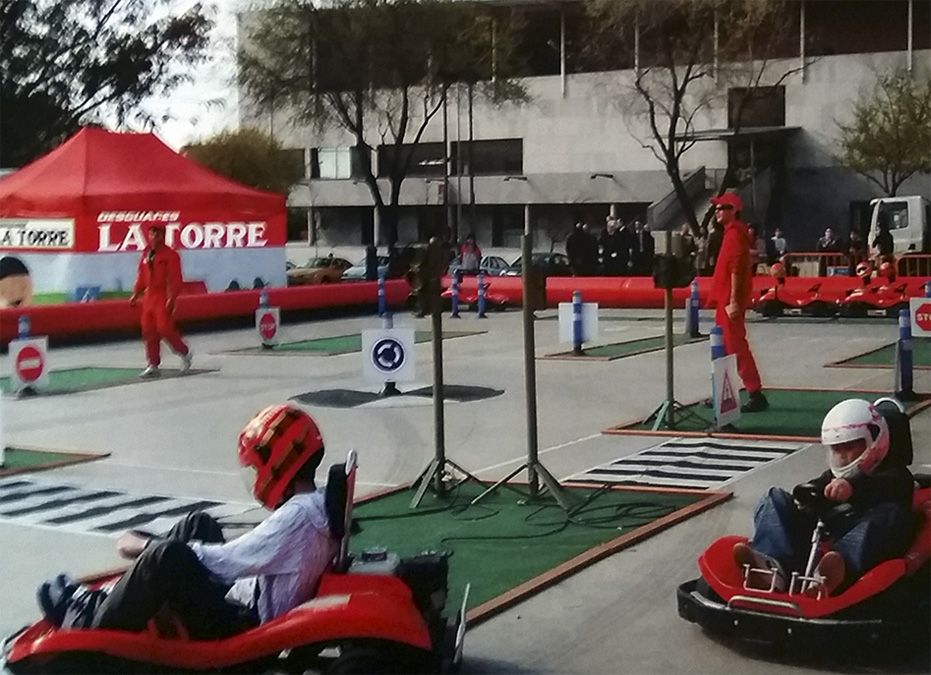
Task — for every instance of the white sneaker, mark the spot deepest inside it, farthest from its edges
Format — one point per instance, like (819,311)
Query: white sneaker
(186,361)
(150,372)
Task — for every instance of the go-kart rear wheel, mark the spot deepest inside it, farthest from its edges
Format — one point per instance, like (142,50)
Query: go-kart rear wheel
(361,661)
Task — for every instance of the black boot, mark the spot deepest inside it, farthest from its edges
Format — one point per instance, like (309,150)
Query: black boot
(756,403)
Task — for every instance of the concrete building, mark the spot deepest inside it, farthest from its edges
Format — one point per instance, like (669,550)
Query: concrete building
(578,150)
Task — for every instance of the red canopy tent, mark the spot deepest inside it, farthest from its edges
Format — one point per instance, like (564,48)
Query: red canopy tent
(100,190)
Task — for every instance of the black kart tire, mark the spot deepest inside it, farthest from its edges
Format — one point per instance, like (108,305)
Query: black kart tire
(361,661)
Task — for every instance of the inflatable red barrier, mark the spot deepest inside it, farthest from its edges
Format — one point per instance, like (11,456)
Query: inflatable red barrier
(640,292)
(104,316)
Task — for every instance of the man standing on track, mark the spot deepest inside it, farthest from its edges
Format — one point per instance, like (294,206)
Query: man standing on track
(158,282)
(730,291)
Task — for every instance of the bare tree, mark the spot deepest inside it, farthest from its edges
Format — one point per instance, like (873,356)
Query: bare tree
(889,139)
(378,69)
(685,66)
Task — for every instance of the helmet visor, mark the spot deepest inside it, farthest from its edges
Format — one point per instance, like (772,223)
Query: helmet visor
(844,458)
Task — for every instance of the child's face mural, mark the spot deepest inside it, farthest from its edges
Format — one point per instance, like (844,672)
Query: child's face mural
(15,283)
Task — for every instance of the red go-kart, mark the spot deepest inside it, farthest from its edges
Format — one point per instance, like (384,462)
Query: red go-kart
(888,607)
(368,616)
(884,298)
(778,300)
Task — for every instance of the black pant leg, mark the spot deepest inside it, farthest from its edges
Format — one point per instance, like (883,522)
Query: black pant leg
(169,572)
(197,526)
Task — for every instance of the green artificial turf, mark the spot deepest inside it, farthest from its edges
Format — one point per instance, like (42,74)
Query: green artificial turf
(506,540)
(345,344)
(884,357)
(791,413)
(85,379)
(20,460)
(619,350)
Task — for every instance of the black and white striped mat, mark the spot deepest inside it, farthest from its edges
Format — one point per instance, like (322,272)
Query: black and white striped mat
(696,463)
(46,503)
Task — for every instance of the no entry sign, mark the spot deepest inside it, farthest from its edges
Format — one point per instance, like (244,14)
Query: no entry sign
(30,362)
(921,316)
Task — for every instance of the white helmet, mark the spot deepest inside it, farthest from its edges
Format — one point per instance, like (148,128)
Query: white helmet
(852,420)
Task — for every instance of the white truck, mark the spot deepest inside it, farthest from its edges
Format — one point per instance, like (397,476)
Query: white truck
(909,220)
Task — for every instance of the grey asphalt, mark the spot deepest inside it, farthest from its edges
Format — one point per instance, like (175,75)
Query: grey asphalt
(177,438)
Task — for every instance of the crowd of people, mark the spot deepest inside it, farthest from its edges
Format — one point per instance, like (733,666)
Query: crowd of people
(627,249)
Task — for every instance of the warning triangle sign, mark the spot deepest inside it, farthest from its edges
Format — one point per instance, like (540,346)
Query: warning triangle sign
(728,396)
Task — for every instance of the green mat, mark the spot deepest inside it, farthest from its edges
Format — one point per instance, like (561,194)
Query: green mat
(793,414)
(506,542)
(69,380)
(619,350)
(884,357)
(343,344)
(20,460)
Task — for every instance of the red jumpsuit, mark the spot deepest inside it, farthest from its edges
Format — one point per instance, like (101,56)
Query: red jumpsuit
(735,259)
(158,280)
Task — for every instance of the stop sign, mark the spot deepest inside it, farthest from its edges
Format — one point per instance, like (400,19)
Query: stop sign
(923,316)
(268,326)
(29,364)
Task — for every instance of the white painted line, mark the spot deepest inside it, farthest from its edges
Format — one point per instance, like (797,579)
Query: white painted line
(540,452)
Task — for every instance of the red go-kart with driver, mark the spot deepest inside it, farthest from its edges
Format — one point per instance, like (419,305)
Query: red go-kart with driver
(369,615)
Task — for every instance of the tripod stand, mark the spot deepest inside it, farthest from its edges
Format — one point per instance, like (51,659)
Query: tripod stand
(670,412)
(440,467)
(535,469)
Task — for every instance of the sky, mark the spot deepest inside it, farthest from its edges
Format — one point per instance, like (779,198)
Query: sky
(209,104)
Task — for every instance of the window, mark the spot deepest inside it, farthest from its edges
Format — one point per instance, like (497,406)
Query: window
(895,214)
(426,159)
(332,163)
(489,158)
(761,107)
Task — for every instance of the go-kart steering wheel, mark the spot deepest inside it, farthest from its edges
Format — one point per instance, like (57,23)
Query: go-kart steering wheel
(810,499)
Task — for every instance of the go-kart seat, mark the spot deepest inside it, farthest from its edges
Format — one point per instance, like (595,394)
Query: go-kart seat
(900,431)
(338,498)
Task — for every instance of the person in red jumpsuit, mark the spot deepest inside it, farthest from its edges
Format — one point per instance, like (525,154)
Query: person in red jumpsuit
(158,282)
(730,292)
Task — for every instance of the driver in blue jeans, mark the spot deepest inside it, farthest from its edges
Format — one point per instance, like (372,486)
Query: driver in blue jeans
(218,588)
(861,473)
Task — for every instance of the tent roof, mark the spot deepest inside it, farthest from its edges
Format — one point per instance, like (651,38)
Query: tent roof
(98,170)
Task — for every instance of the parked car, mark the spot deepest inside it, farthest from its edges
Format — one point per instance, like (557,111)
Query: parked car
(357,271)
(405,257)
(491,265)
(551,264)
(318,271)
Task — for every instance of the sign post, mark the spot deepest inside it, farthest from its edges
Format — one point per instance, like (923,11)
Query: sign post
(267,322)
(921,316)
(30,364)
(388,356)
(578,322)
(726,391)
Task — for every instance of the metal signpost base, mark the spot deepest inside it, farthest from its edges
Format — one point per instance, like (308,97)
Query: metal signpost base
(440,468)
(535,470)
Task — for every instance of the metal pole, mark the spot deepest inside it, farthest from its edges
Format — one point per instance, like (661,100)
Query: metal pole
(530,376)
(667,291)
(438,420)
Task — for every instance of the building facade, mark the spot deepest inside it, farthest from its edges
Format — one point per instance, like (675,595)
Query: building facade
(578,150)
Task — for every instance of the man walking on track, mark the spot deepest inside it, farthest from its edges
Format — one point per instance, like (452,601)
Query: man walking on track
(730,291)
(158,282)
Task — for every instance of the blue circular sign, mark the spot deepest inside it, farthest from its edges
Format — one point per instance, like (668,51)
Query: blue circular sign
(388,355)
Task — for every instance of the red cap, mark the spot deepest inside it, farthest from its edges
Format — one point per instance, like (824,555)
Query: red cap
(728,199)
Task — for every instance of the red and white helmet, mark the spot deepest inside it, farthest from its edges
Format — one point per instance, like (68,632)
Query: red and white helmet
(864,270)
(852,420)
(273,446)
(778,270)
